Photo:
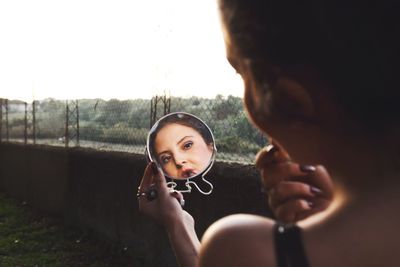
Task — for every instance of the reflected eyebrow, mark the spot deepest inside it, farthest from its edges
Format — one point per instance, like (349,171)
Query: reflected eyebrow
(164,152)
(180,141)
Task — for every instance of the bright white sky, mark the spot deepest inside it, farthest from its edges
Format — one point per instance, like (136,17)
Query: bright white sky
(112,49)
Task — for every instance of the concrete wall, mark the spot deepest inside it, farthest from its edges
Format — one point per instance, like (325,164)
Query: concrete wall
(96,190)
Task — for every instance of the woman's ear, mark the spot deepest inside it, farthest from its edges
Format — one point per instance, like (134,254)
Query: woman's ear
(292,100)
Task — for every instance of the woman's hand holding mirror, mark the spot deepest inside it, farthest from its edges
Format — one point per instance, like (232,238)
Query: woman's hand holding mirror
(157,200)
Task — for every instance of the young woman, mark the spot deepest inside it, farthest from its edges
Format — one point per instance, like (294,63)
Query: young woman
(320,77)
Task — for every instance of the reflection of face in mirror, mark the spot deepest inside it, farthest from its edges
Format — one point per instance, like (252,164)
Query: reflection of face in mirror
(181,151)
(182,145)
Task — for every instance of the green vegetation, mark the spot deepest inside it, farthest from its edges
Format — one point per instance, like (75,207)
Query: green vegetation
(127,121)
(28,239)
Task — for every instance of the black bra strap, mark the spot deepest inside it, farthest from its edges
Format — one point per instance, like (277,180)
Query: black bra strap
(289,246)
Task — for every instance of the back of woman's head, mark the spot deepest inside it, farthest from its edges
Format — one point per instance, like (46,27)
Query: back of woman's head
(352,46)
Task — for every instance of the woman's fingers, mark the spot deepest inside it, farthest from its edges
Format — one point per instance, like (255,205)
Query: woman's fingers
(294,191)
(272,153)
(151,186)
(158,176)
(320,179)
(179,196)
(297,209)
(317,205)
(147,179)
(276,166)
(292,202)
(278,172)
(292,196)
(315,184)
(289,211)
(286,191)
(152,176)
(157,200)
(316,177)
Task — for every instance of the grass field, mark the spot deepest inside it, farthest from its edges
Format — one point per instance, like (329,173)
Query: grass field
(28,239)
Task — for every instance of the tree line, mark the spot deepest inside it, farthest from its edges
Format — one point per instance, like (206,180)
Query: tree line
(128,121)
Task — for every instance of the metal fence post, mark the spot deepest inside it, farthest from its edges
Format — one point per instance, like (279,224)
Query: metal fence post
(168,106)
(153,107)
(153,111)
(66,135)
(7,135)
(34,121)
(77,123)
(1,119)
(165,106)
(26,124)
(72,122)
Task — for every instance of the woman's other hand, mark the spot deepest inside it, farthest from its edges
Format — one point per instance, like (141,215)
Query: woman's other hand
(294,191)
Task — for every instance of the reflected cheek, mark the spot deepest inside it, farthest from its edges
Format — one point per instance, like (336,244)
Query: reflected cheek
(170,169)
(193,156)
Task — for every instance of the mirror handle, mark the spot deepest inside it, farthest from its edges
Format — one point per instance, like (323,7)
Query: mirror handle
(189,188)
(171,185)
(198,188)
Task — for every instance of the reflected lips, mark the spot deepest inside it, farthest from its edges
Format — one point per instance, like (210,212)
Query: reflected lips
(186,173)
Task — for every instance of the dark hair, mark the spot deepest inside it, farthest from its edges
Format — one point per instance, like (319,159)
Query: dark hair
(353,46)
(182,119)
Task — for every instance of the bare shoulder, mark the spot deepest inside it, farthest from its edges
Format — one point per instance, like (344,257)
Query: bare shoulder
(238,240)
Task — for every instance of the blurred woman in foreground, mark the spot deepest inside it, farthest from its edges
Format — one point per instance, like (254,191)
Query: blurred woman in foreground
(320,78)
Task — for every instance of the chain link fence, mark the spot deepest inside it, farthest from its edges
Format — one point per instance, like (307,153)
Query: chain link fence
(122,125)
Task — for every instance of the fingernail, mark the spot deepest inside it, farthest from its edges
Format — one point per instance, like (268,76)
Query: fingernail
(269,156)
(310,204)
(272,149)
(154,168)
(307,168)
(315,191)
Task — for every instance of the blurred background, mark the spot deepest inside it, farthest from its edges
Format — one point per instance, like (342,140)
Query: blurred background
(77,75)
(98,74)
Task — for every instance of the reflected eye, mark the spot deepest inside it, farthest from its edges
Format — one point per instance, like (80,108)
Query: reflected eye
(187,145)
(165,159)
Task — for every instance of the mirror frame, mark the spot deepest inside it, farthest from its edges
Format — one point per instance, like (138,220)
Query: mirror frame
(172,184)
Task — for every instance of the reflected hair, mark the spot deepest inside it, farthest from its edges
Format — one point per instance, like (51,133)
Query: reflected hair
(185,120)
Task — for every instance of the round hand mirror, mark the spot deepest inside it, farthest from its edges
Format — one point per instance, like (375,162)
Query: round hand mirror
(183,146)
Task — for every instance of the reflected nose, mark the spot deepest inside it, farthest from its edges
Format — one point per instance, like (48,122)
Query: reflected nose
(180,161)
